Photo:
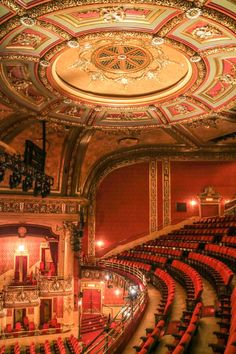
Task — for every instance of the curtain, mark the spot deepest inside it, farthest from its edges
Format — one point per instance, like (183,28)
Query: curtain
(54,253)
(17,274)
(24,268)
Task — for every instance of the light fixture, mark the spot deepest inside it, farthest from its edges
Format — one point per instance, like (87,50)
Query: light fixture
(21,248)
(27,184)
(15,179)
(117,292)
(193,202)
(193,13)
(27,21)
(157,41)
(195,58)
(73,43)
(44,63)
(152,107)
(67,100)
(2,173)
(100,243)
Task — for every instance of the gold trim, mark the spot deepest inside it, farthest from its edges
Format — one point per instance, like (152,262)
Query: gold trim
(166,192)
(153,211)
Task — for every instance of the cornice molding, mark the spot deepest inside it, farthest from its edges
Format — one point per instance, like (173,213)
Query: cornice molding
(137,155)
(30,205)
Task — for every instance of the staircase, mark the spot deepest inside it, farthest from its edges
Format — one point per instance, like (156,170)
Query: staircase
(93,322)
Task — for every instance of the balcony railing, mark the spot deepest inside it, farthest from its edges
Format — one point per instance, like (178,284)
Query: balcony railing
(54,286)
(20,296)
(25,295)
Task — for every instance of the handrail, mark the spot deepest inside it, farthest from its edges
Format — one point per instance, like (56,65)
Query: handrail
(37,332)
(127,314)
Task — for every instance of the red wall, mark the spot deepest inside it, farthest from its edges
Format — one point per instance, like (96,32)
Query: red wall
(10,244)
(189,178)
(122,206)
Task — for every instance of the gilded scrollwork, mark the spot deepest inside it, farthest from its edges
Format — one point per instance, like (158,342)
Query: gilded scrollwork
(54,285)
(15,296)
(153,218)
(36,206)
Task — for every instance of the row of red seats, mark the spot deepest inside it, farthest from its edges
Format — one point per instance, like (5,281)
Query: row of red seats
(167,291)
(32,348)
(229,240)
(178,244)
(147,258)
(227,331)
(142,266)
(210,231)
(59,346)
(47,347)
(150,341)
(214,265)
(196,281)
(200,225)
(219,219)
(186,332)
(223,251)
(189,238)
(16,348)
(159,250)
(74,345)
(3,349)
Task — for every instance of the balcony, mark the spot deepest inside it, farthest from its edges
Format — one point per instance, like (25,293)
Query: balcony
(54,286)
(20,296)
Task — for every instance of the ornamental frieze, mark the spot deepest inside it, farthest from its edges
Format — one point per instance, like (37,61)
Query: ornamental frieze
(16,296)
(38,206)
(55,286)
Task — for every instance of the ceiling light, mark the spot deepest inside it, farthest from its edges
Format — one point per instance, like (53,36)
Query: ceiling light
(21,248)
(193,13)
(157,40)
(27,21)
(98,109)
(44,63)
(73,43)
(152,107)
(195,58)
(67,100)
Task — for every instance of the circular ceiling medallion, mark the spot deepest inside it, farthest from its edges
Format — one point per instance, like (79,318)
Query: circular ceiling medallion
(121,58)
(124,70)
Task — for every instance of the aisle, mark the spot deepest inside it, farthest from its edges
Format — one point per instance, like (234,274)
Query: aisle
(148,319)
(207,325)
(179,306)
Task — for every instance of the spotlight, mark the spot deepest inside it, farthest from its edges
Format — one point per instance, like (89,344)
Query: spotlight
(45,189)
(37,187)
(27,183)
(2,174)
(15,179)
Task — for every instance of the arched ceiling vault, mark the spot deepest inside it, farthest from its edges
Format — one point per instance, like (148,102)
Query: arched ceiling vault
(109,77)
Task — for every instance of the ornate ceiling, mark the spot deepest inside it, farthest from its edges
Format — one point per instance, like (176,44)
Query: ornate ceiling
(116,77)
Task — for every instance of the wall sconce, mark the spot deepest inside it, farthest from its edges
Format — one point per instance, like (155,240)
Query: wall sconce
(21,248)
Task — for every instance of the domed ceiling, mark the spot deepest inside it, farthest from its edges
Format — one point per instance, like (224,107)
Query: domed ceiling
(110,77)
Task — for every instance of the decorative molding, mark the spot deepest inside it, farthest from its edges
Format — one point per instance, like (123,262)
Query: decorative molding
(153,213)
(55,286)
(21,296)
(92,223)
(140,154)
(166,192)
(12,204)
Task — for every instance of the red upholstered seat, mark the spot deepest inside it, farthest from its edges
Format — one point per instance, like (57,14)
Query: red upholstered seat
(8,328)
(18,326)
